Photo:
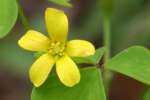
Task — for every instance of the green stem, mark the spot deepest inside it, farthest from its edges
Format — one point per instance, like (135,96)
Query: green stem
(107,38)
(23,18)
(107,35)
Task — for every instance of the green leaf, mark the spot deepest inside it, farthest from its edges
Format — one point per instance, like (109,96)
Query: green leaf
(94,59)
(146,95)
(133,62)
(90,88)
(62,2)
(8,16)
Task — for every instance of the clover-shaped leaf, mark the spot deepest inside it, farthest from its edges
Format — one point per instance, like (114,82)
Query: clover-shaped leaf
(8,16)
(90,88)
(133,62)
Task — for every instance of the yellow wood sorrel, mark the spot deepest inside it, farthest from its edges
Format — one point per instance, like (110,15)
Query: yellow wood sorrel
(56,49)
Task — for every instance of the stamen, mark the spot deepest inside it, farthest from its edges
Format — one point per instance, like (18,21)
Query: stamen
(56,49)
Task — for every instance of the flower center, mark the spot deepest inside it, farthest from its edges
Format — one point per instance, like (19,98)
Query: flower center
(56,49)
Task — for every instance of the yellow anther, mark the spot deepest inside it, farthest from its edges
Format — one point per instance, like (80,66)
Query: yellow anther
(52,44)
(61,54)
(56,49)
(58,43)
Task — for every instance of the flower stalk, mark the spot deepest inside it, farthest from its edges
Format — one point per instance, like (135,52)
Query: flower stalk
(106,40)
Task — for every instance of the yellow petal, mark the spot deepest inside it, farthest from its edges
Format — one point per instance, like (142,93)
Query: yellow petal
(67,71)
(34,41)
(57,24)
(80,48)
(40,70)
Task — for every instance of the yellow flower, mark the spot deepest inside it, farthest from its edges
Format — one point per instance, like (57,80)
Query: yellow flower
(56,49)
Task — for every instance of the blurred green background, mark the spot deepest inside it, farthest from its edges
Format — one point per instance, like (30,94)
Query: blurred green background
(130,25)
